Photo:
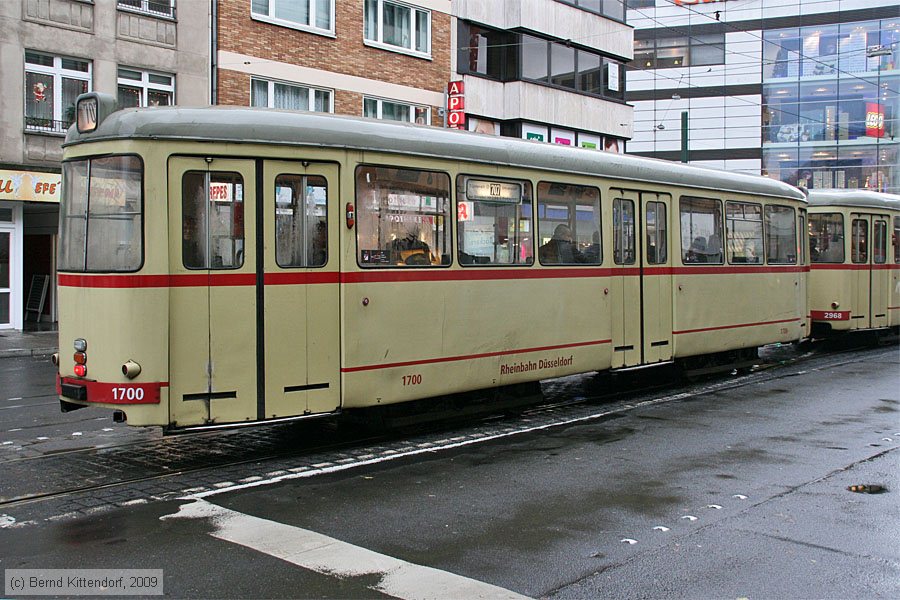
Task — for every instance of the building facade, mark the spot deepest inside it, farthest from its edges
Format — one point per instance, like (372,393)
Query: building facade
(802,91)
(148,52)
(374,58)
(547,70)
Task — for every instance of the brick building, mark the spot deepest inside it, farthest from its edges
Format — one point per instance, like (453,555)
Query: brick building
(372,58)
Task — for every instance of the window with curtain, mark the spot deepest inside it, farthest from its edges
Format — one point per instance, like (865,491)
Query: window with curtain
(398,26)
(274,94)
(307,14)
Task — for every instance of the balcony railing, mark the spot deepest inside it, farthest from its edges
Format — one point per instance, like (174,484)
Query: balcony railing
(156,8)
(46,125)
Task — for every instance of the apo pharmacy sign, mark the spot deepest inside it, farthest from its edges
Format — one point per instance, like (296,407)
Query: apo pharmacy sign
(29,186)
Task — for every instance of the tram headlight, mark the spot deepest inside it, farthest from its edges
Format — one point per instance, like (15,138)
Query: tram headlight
(131,369)
(835,305)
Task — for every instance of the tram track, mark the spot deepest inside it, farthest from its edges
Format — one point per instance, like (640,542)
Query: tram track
(101,469)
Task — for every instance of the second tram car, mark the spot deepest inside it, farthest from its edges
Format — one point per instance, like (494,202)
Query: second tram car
(854,244)
(228,265)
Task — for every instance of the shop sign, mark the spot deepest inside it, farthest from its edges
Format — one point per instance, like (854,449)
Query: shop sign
(29,186)
(456,104)
(874,120)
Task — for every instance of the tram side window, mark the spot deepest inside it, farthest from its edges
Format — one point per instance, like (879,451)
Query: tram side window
(859,248)
(301,227)
(657,233)
(826,238)
(101,217)
(744,227)
(568,224)
(879,249)
(623,232)
(701,230)
(896,239)
(402,217)
(212,220)
(494,221)
(781,235)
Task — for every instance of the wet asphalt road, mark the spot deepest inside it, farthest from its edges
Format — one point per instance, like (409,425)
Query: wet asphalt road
(737,492)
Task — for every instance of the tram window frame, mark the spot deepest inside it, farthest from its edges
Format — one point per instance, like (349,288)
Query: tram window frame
(624,251)
(79,257)
(574,200)
(775,247)
(830,239)
(802,246)
(659,235)
(202,222)
(402,252)
(855,245)
(879,241)
(744,254)
(896,240)
(509,248)
(303,244)
(695,247)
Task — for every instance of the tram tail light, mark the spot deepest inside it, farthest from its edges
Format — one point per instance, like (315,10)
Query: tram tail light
(131,369)
(81,370)
(351,215)
(835,305)
(80,358)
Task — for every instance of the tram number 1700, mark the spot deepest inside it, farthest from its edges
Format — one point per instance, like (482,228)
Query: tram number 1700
(415,379)
(128,393)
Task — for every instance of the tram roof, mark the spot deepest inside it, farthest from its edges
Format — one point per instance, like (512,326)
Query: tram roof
(857,198)
(269,126)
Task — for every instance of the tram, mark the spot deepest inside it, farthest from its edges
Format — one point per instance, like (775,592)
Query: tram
(854,242)
(224,266)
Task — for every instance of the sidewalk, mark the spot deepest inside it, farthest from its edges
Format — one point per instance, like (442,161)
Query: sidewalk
(28,343)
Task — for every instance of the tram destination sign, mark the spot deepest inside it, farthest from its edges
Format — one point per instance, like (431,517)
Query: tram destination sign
(494,191)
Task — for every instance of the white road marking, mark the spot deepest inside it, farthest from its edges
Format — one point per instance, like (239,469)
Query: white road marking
(689,517)
(629,541)
(740,496)
(714,506)
(661,528)
(6,521)
(333,557)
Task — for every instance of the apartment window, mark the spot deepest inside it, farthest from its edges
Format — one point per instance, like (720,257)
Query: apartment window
(375,108)
(52,83)
(312,14)
(398,26)
(164,8)
(563,66)
(145,88)
(611,8)
(272,94)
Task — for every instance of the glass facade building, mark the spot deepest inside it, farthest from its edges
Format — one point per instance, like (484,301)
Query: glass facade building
(831,102)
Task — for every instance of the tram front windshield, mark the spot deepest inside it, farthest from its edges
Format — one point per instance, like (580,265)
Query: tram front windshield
(101,215)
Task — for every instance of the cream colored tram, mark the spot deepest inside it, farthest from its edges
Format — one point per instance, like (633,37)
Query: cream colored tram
(854,241)
(223,266)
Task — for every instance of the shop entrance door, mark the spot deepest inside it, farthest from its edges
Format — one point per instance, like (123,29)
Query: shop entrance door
(6,246)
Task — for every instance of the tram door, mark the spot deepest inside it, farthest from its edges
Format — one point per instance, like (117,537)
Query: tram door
(212,315)
(860,257)
(880,275)
(301,222)
(625,282)
(656,278)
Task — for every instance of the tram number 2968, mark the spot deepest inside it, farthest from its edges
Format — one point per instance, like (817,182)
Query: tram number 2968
(414,379)
(128,393)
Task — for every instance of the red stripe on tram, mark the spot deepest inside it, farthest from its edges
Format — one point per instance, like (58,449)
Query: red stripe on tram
(470,356)
(737,326)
